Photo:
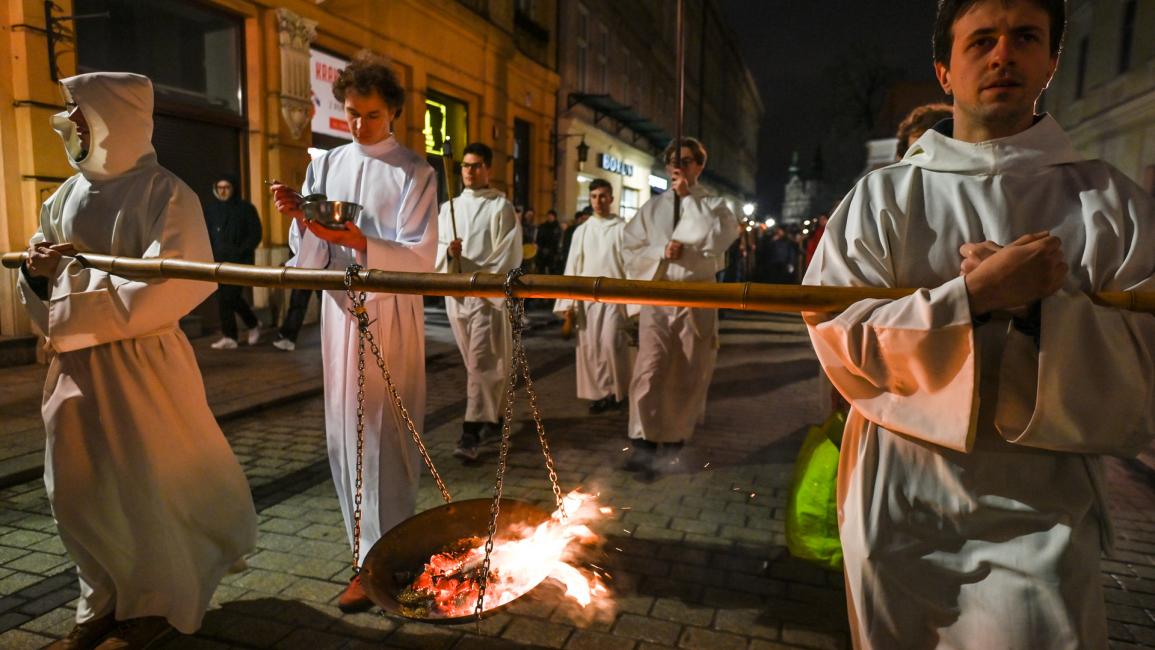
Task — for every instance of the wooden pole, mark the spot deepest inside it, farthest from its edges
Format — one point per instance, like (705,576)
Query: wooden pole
(747,296)
(680,100)
(447,166)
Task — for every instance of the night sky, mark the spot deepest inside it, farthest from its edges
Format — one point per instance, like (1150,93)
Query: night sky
(791,48)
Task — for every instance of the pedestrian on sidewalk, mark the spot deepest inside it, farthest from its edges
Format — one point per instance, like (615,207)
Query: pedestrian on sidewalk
(488,241)
(148,498)
(395,231)
(294,319)
(235,233)
(971,503)
(677,346)
(603,354)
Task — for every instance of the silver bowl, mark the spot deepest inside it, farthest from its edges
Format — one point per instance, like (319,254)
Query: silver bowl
(331,214)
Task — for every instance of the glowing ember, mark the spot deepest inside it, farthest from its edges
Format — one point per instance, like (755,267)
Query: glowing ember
(521,559)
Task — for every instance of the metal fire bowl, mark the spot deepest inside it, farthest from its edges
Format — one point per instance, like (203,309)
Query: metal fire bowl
(408,546)
(331,214)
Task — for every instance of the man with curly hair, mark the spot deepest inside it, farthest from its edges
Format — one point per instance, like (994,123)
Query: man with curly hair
(396,231)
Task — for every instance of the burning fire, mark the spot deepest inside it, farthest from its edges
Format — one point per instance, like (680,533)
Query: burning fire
(521,559)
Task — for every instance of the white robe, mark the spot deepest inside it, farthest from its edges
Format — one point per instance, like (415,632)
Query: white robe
(677,346)
(148,497)
(490,243)
(603,354)
(398,193)
(970,495)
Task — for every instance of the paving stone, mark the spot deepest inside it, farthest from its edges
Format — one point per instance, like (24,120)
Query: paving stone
(268,582)
(283,526)
(47,602)
(10,620)
(697,638)
(306,639)
(539,633)
(752,622)
(297,565)
(590,640)
(21,640)
(423,637)
(56,623)
(18,581)
(42,564)
(643,628)
(670,609)
(823,640)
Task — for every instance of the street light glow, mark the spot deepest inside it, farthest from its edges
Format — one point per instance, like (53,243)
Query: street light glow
(748,209)
(769,222)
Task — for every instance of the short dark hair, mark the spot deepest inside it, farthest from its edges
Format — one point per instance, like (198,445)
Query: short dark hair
(697,149)
(920,120)
(950,10)
(599,183)
(370,73)
(479,149)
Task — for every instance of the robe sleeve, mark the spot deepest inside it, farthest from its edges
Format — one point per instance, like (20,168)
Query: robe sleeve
(644,250)
(34,304)
(908,365)
(89,307)
(1089,385)
(707,229)
(310,251)
(414,247)
(573,267)
(506,234)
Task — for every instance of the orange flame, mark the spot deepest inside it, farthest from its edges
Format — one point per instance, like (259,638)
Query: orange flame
(521,559)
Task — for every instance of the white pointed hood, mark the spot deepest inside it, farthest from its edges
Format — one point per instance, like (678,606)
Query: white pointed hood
(118,108)
(1043,144)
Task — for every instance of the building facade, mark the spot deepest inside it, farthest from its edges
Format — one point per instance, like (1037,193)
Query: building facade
(242,87)
(1104,91)
(616,104)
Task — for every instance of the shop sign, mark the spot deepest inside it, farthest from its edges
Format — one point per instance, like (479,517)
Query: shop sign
(611,164)
(328,113)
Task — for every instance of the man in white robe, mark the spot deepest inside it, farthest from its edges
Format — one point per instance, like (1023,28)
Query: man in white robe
(149,499)
(971,494)
(677,346)
(486,239)
(603,353)
(395,231)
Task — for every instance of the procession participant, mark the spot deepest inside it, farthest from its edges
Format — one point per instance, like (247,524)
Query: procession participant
(149,500)
(234,232)
(677,346)
(970,487)
(395,231)
(603,355)
(488,241)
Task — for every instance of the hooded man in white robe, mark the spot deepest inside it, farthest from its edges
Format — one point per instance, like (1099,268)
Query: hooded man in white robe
(486,239)
(971,494)
(149,499)
(603,353)
(395,231)
(677,346)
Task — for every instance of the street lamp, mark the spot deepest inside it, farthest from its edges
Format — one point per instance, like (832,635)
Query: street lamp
(748,209)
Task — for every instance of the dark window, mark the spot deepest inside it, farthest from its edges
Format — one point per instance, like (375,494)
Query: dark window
(521,163)
(1127,36)
(1081,71)
(192,54)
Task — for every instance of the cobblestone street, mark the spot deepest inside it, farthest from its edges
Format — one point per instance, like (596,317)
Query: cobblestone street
(697,557)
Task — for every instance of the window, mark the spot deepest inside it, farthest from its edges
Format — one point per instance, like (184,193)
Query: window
(1126,36)
(444,117)
(583,47)
(521,164)
(629,205)
(191,53)
(527,8)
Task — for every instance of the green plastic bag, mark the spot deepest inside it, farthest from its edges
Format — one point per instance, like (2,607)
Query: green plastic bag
(812,510)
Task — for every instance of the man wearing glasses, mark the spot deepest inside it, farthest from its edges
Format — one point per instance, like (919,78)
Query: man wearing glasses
(677,346)
(487,238)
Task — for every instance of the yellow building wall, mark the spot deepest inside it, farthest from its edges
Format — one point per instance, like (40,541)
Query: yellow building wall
(436,45)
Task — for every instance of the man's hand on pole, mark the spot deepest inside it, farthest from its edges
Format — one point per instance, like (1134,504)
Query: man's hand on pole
(455,249)
(674,250)
(1013,277)
(44,258)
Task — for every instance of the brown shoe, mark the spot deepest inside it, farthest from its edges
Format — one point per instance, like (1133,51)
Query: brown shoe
(354,599)
(86,635)
(136,634)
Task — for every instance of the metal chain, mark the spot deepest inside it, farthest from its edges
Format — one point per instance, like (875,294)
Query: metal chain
(519,365)
(361,313)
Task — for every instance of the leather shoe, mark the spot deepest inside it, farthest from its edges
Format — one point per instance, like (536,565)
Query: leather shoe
(354,599)
(136,634)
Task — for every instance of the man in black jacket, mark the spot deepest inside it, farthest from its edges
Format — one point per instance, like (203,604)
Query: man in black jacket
(235,232)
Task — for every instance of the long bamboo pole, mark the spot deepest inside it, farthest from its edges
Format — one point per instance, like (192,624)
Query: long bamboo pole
(747,296)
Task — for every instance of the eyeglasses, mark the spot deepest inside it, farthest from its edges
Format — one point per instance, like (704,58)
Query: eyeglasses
(472,166)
